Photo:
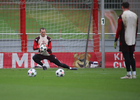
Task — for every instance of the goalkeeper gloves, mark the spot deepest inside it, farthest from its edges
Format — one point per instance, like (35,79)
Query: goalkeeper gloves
(115,44)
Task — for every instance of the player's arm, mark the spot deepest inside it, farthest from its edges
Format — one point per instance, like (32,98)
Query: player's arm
(35,45)
(119,29)
(118,32)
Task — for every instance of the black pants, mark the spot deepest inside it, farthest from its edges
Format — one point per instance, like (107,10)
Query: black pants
(38,57)
(129,61)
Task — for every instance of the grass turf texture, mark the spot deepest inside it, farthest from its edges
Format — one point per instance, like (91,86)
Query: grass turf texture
(81,84)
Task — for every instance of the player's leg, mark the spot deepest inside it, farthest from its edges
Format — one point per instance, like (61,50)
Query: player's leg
(54,60)
(58,63)
(132,59)
(37,58)
(127,64)
(127,61)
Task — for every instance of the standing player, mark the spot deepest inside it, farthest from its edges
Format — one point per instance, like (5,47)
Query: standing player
(127,32)
(47,54)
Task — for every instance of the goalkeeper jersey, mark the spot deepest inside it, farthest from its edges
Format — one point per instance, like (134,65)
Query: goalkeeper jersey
(127,30)
(43,40)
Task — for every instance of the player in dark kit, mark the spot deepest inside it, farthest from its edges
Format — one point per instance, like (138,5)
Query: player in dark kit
(47,54)
(127,33)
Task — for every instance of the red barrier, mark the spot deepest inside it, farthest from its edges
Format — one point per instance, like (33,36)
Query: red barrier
(116,60)
(24,60)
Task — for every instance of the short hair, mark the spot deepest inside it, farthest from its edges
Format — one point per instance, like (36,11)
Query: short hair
(125,5)
(42,29)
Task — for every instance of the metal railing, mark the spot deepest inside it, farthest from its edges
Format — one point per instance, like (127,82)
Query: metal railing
(61,44)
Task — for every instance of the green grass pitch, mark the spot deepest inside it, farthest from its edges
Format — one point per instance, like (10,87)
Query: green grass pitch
(81,84)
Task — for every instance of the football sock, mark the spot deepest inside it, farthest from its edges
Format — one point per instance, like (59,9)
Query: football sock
(129,73)
(134,72)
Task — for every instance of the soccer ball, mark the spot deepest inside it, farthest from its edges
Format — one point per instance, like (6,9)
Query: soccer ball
(60,73)
(42,48)
(32,72)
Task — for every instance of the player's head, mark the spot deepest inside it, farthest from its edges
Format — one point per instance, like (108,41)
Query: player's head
(125,5)
(42,32)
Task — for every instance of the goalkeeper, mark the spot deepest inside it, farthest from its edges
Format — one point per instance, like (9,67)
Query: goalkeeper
(127,33)
(43,39)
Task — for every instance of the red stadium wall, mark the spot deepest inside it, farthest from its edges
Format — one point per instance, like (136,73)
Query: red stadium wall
(24,60)
(116,60)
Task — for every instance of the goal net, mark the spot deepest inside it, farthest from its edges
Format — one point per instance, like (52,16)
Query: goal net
(66,22)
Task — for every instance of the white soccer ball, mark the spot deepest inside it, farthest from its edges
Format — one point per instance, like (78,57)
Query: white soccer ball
(32,72)
(42,48)
(60,73)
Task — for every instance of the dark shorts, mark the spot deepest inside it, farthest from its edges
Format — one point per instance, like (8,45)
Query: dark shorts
(51,58)
(125,48)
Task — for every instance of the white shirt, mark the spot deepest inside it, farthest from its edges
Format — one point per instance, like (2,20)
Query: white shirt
(130,23)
